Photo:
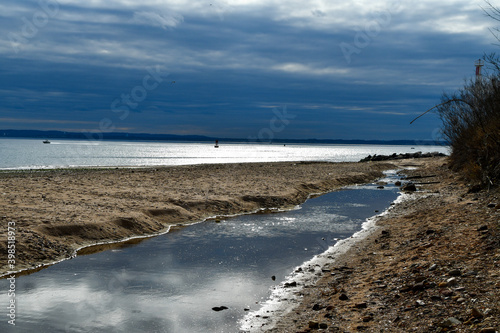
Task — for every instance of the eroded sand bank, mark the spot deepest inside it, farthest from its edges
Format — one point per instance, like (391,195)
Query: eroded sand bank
(56,212)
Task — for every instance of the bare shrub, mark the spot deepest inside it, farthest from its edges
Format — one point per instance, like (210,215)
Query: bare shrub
(471,124)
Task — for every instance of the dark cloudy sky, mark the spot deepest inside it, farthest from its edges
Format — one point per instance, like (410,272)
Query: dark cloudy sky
(236,68)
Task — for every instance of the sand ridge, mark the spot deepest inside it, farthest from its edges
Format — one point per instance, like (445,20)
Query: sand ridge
(58,211)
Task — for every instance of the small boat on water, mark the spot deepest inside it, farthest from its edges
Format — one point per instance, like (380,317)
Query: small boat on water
(46,141)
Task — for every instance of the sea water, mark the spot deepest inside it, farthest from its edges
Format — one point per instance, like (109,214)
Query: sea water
(34,154)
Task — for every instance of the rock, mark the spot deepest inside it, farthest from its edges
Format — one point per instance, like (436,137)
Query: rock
(461,300)
(323,326)
(433,267)
(317,307)
(450,322)
(455,272)
(419,286)
(343,297)
(420,303)
(380,187)
(273,278)
(475,189)
(361,305)
(314,325)
(409,187)
(447,293)
(367,319)
(492,205)
(482,228)
(290,284)
(406,289)
(476,313)
(219,308)
(398,183)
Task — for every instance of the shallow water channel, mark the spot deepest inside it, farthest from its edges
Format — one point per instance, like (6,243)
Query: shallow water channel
(170,283)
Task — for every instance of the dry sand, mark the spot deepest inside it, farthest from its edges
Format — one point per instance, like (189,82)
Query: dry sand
(56,212)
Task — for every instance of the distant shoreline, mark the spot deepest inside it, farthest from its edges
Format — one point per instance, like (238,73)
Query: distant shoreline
(122,136)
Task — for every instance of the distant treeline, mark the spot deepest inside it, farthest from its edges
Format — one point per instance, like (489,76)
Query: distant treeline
(193,138)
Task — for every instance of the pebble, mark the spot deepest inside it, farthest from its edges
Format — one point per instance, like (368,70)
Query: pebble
(361,305)
(343,297)
(476,313)
(419,286)
(451,281)
(410,187)
(447,293)
(219,308)
(455,272)
(452,321)
(317,307)
(433,268)
(314,325)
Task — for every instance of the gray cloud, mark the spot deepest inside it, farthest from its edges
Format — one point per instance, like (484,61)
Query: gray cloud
(231,57)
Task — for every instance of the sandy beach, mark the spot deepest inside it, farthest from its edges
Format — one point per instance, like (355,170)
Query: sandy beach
(56,212)
(431,264)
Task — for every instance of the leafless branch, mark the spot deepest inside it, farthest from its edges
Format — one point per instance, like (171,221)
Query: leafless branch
(436,106)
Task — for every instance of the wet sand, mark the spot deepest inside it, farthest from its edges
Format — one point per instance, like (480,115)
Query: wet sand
(56,212)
